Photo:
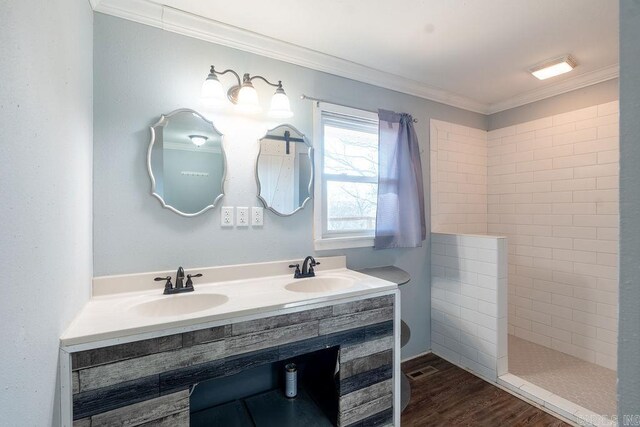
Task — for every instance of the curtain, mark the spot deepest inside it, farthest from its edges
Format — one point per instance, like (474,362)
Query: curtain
(400,219)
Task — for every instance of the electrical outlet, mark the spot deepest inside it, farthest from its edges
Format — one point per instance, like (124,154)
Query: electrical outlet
(257,216)
(226,216)
(243,217)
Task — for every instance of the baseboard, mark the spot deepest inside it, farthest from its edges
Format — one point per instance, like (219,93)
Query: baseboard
(416,356)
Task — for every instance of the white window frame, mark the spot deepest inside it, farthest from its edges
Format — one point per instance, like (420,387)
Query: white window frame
(338,241)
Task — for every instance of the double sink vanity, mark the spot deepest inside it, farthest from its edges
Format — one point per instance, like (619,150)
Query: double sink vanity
(134,355)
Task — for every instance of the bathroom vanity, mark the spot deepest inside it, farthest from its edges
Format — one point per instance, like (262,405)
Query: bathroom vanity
(133,355)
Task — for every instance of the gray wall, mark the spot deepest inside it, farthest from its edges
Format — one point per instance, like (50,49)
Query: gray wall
(45,237)
(141,72)
(574,100)
(629,318)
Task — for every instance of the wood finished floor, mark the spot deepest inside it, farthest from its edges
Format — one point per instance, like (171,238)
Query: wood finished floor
(454,397)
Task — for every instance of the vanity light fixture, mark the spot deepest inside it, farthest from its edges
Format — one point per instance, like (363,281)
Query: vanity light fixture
(198,140)
(553,67)
(243,94)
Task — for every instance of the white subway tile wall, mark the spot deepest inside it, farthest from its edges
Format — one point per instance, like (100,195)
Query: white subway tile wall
(468,302)
(553,192)
(458,178)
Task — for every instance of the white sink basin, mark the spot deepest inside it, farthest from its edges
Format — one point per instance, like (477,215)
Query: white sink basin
(175,305)
(319,284)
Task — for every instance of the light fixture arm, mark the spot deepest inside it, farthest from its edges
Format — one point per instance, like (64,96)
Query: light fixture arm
(247,79)
(220,73)
(279,84)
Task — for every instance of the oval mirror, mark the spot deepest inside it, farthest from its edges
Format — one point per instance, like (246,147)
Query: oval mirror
(284,170)
(186,162)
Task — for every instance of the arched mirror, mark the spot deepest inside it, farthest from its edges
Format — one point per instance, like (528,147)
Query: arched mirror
(284,170)
(186,162)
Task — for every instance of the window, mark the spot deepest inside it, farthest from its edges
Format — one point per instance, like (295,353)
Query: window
(346,142)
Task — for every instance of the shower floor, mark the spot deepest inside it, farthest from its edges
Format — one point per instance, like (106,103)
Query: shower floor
(586,384)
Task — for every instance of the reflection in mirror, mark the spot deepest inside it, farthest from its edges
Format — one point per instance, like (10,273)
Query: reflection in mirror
(284,170)
(186,162)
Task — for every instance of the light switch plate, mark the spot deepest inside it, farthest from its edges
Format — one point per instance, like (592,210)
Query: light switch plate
(226,216)
(257,216)
(243,217)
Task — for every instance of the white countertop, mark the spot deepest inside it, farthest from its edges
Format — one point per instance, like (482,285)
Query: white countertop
(110,315)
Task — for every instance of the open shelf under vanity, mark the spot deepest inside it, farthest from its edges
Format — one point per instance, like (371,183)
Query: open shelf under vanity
(255,397)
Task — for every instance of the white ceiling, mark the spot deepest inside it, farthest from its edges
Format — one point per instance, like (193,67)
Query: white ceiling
(479,49)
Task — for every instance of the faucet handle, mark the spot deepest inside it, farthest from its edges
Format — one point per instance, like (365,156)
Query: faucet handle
(312,264)
(168,285)
(296,274)
(189,283)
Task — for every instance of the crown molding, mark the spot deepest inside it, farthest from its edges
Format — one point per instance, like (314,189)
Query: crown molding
(142,11)
(177,21)
(577,82)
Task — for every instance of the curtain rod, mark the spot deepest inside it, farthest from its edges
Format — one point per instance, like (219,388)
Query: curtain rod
(310,98)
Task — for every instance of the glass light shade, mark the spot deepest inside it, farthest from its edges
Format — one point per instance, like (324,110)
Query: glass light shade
(280,107)
(248,99)
(213,94)
(198,140)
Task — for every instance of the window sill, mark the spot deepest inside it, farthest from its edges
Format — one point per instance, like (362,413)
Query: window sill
(343,243)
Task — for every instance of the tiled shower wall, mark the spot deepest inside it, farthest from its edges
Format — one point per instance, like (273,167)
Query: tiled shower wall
(468,301)
(553,191)
(458,178)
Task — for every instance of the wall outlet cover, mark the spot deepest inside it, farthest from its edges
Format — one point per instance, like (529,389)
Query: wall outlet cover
(226,216)
(242,219)
(257,216)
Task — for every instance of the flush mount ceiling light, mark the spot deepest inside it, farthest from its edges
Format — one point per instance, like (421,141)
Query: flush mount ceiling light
(198,140)
(243,94)
(553,67)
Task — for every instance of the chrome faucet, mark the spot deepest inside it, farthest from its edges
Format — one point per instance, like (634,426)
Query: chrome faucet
(307,268)
(180,286)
